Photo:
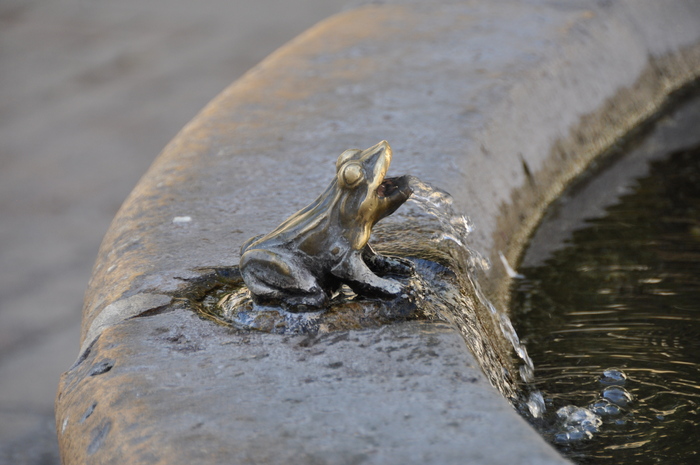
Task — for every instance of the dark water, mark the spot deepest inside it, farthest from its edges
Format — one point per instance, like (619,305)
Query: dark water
(612,323)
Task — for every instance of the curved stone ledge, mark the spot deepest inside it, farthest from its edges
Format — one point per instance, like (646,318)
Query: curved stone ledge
(500,103)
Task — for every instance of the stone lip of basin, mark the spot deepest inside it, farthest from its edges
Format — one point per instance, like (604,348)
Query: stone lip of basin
(500,103)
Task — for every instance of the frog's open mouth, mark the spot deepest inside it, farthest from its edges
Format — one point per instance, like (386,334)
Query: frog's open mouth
(387,188)
(391,187)
(391,194)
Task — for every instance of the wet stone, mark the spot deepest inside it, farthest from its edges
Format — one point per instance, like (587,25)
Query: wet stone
(227,301)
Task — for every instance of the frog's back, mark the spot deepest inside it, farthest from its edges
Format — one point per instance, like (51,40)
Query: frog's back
(313,220)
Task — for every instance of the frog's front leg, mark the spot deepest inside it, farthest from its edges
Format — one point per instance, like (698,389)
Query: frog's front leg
(354,272)
(387,265)
(273,278)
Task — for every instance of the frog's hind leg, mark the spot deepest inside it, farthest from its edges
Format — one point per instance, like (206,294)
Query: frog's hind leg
(354,272)
(274,280)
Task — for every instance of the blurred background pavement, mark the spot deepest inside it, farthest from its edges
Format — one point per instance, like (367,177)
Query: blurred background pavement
(90,92)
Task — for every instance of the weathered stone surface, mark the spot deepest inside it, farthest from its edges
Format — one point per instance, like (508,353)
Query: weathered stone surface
(500,103)
(173,388)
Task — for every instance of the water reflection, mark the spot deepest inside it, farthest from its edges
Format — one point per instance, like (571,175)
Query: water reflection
(612,322)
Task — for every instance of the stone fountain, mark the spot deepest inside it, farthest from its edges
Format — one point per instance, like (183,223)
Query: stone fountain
(500,103)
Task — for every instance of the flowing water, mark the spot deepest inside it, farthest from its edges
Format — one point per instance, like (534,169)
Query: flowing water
(468,264)
(612,322)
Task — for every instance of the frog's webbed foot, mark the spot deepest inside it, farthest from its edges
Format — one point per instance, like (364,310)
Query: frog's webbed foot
(383,264)
(354,272)
(385,288)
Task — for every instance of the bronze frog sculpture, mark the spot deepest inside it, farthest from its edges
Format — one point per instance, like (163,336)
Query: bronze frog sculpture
(306,259)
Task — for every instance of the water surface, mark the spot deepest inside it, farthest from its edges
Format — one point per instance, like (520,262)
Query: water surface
(611,320)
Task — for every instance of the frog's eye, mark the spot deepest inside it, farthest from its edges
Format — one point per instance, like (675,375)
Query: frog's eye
(346,156)
(351,174)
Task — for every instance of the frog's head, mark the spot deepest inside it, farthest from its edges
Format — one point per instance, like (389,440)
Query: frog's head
(368,195)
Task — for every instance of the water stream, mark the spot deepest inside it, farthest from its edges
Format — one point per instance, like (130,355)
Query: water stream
(468,263)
